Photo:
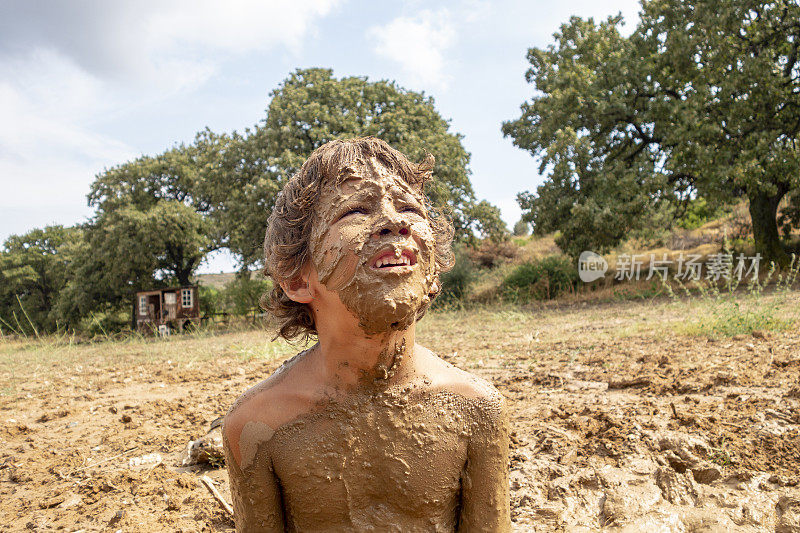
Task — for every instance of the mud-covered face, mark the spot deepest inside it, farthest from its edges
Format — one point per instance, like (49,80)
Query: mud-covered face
(373,244)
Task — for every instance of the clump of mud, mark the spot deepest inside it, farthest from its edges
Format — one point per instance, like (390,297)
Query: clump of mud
(660,444)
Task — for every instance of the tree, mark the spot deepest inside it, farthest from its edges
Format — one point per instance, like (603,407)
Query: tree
(239,189)
(127,250)
(157,218)
(702,99)
(521,228)
(34,268)
(311,107)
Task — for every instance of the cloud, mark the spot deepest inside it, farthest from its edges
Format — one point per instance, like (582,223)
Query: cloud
(418,44)
(147,39)
(47,148)
(68,68)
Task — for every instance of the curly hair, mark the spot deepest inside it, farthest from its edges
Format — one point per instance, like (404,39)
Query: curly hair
(287,240)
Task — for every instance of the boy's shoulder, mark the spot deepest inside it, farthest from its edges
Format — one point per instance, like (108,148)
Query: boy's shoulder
(269,404)
(446,377)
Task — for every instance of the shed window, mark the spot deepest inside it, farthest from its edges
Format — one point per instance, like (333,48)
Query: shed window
(186,298)
(170,298)
(142,305)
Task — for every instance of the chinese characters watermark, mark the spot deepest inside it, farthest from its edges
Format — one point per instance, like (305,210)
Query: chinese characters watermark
(689,267)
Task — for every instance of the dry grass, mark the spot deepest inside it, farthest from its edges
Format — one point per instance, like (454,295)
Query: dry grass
(31,359)
(503,333)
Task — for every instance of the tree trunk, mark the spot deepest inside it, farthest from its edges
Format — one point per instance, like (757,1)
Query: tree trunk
(763,214)
(184,276)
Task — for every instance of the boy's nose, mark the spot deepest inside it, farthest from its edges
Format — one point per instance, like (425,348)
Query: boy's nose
(395,226)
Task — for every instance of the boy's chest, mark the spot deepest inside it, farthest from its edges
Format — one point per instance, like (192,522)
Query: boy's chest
(370,462)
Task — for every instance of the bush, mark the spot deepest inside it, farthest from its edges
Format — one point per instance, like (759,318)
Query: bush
(723,313)
(700,212)
(241,296)
(544,279)
(489,254)
(456,283)
(210,300)
(522,228)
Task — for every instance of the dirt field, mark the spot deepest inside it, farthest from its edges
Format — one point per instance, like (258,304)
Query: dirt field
(622,420)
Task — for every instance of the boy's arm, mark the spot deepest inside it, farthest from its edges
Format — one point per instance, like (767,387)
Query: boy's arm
(256,493)
(484,485)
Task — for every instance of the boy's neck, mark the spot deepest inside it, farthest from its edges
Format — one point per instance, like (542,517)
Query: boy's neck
(352,358)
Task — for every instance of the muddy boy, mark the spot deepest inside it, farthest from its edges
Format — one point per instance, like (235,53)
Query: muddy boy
(366,430)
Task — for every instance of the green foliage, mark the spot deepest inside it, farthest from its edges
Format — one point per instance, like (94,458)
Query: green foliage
(34,269)
(311,107)
(158,216)
(456,283)
(238,188)
(544,279)
(699,212)
(155,223)
(727,313)
(210,299)
(646,292)
(522,228)
(703,98)
(128,249)
(105,324)
(242,295)
(789,217)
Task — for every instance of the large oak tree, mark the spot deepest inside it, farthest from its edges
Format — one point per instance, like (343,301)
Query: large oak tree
(702,98)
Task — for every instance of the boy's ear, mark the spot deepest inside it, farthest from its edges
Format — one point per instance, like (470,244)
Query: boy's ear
(436,287)
(297,288)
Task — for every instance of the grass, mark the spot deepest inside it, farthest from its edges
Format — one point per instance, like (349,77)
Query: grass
(728,310)
(32,358)
(502,335)
(719,454)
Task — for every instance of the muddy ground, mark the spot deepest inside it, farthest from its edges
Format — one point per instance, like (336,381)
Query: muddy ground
(620,422)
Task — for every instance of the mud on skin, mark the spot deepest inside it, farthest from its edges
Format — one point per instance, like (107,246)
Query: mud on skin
(345,259)
(392,460)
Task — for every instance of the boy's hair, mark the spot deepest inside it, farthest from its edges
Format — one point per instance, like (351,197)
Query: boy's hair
(286,245)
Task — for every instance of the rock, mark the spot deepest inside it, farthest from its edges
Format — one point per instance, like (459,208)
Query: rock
(144,461)
(205,450)
(126,419)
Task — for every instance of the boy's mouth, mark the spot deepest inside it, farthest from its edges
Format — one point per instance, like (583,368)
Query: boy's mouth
(390,258)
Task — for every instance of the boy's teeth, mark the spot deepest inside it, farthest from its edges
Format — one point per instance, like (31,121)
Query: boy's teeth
(392,261)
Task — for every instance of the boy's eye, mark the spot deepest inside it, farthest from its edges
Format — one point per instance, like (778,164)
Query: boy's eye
(411,209)
(353,211)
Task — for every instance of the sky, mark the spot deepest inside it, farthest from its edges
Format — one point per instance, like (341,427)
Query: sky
(88,84)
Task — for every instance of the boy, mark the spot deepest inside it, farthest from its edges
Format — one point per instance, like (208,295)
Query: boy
(366,430)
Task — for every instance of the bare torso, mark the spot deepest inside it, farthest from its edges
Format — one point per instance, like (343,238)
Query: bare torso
(395,458)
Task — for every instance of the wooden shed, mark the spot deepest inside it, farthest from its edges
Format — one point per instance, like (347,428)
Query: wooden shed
(174,307)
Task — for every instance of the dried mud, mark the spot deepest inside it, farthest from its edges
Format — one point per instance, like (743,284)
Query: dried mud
(641,433)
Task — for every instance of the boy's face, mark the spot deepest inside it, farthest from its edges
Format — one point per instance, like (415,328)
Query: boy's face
(373,244)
